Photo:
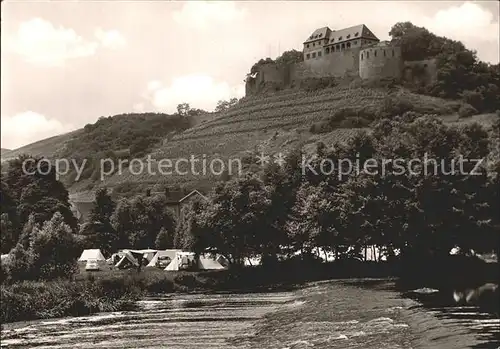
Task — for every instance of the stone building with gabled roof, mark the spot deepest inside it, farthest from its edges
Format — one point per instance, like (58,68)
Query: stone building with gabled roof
(324,41)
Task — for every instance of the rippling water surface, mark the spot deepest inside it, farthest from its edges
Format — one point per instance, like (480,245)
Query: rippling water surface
(335,314)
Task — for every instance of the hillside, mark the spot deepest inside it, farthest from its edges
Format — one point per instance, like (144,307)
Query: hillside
(271,124)
(4,150)
(49,147)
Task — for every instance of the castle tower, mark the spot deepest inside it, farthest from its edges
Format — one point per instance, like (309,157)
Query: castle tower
(382,60)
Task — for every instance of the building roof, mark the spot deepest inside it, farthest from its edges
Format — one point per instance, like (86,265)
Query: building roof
(320,33)
(337,36)
(194,192)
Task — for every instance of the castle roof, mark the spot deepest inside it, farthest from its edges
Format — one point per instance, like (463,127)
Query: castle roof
(320,33)
(337,36)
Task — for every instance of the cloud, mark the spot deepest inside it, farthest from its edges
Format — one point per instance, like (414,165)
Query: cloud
(110,39)
(27,127)
(200,91)
(200,13)
(467,22)
(39,42)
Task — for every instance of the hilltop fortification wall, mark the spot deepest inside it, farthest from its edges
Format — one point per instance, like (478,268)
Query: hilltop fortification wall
(337,64)
(374,62)
(380,62)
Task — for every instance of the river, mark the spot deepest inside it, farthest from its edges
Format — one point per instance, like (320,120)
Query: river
(333,314)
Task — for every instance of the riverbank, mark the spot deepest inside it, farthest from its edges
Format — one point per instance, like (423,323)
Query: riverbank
(118,290)
(353,313)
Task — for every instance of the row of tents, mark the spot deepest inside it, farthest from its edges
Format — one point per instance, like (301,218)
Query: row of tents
(170,260)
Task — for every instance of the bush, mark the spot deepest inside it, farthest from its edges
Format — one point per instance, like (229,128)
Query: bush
(396,106)
(30,300)
(187,280)
(354,122)
(467,110)
(315,84)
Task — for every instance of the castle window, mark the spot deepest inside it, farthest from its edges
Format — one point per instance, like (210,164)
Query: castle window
(348,36)
(327,51)
(307,46)
(338,47)
(332,40)
(314,55)
(425,65)
(357,33)
(348,45)
(320,35)
(361,56)
(308,56)
(340,38)
(392,53)
(375,53)
(384,52)
(343,46)
(314,44)
(356,42)
(319,54)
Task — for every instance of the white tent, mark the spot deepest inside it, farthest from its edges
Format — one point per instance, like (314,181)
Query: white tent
(126,260)
(161,255)
(182,260)
(91,254)
(186,260)
(207,263)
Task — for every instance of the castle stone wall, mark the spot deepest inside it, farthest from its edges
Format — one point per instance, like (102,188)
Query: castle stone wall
(380,62)
(334,64)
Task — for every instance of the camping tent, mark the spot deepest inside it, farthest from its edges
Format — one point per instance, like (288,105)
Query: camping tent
(186,260)
(182,261)
(91,254)
(162,255)
(207,263)
(127,260)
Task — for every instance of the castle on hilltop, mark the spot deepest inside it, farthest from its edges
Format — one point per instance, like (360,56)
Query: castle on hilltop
(349,52)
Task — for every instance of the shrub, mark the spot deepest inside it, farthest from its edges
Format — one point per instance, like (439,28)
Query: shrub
(320,127)
(396,106)
(315,84)
(188,280)
(466,110)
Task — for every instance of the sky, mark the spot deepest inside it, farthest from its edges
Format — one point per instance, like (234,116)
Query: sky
(65,64)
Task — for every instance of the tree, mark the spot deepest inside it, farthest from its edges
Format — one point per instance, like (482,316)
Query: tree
(53,250)
(225,105)
(140,219)
(183,109)
(9,236)
(98,230)
(51,253)
(235,224)
(164,240)
(290,57)
(37,191)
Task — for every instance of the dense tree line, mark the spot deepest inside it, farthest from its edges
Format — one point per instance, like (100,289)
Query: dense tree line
(460,73)
(421,213)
